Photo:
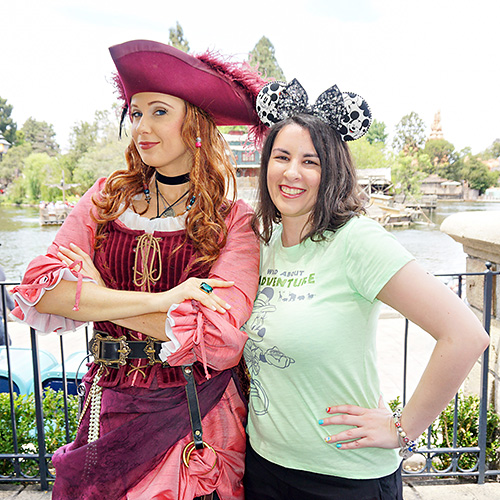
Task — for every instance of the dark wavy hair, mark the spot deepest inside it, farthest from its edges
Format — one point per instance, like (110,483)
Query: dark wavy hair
(338,194)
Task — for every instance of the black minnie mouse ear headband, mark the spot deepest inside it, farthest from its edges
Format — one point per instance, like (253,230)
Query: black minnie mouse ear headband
(347,112)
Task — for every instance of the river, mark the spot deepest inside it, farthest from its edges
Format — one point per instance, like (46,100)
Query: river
(22,238)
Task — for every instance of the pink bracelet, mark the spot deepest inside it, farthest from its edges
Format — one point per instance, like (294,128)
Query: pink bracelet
(408,447)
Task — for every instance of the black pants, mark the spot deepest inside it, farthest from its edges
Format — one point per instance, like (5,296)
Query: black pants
(265,480)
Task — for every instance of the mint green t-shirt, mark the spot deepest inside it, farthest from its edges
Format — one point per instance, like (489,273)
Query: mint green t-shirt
(312,345)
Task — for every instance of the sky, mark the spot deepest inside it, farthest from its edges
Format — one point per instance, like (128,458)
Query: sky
(402,56)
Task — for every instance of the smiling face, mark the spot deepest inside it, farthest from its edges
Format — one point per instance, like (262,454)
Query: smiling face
(156,131)
(293,178)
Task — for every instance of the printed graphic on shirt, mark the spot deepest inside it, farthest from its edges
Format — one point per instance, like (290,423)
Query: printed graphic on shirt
(255,354)
(289,284)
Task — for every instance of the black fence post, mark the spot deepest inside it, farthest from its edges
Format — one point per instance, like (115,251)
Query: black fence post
(483,411)
(37,383)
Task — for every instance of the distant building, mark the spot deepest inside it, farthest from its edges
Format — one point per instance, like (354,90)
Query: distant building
(445,189)
(374,180)
(247,164)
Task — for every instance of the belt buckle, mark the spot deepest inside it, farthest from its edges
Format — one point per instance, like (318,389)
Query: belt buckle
(151,352)
(123,351)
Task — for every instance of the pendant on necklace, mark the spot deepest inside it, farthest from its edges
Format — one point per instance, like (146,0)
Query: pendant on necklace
(169,212)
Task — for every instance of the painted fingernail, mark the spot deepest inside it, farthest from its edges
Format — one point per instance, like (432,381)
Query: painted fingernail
(328,439)
(339,445)
(328,409)
(320,421)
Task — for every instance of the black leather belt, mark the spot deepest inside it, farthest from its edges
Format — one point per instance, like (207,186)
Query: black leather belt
(116,351)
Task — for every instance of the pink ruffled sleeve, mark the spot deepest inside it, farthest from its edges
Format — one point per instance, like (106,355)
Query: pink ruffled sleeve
(211,337)
(46,271)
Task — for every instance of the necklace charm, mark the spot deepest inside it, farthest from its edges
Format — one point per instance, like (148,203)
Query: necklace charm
(168,207)
(169,212)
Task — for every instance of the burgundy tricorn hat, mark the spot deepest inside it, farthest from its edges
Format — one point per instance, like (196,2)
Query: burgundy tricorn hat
(225,90)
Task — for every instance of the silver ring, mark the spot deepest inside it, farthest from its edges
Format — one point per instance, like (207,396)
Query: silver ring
(206,287)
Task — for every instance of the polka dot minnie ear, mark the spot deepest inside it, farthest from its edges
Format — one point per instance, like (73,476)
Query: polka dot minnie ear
(267,103)
(357,119)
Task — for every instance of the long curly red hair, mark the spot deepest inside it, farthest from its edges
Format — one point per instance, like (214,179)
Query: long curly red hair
(212,178)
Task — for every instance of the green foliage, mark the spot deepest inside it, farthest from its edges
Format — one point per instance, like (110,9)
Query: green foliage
(41,136)
(442,156)
(263,58)
(376,133)
(369,155)
(478,175)
(24,410)
(41,171)
(12,164)
(82,138)
(409,136)
(8,126)
(493,151)
(17,191)
(99,162)
(467,432)
(176,37)
(407,174)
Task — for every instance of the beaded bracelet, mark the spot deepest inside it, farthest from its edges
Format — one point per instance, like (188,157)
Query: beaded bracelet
(408,447)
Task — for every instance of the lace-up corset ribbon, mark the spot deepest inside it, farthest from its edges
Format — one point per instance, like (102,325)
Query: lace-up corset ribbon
(134,260)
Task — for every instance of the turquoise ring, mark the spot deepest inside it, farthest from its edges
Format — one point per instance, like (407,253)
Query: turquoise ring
(206,287)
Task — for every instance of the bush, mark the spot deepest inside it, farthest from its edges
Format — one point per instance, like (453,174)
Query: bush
(25,421)
(467,433)
(441,433)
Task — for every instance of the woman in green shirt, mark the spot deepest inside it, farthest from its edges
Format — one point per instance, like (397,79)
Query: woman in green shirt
(318,426)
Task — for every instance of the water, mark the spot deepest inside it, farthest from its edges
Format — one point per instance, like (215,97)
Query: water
(436,251)
(23,238)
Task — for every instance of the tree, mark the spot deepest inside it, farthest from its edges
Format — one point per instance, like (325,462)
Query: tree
(410,134)
(7,125)
(100,161)
(367,155)
(406,175)
(477,174)
(40,171)
(13,162)
(442,156)
(41,136)
(493,151)
(376,133)
(263,58)
(82,138)
(96,142)
(176,37)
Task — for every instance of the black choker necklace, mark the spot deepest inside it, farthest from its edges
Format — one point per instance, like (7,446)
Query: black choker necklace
(172,181)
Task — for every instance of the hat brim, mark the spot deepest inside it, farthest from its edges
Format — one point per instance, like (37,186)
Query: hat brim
(148,66)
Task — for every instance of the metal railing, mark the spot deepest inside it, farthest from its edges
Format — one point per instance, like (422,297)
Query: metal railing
(18,458)
(456,452)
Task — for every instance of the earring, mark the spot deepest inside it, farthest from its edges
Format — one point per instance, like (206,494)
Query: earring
(198,142)
(145,187)
(147,194)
